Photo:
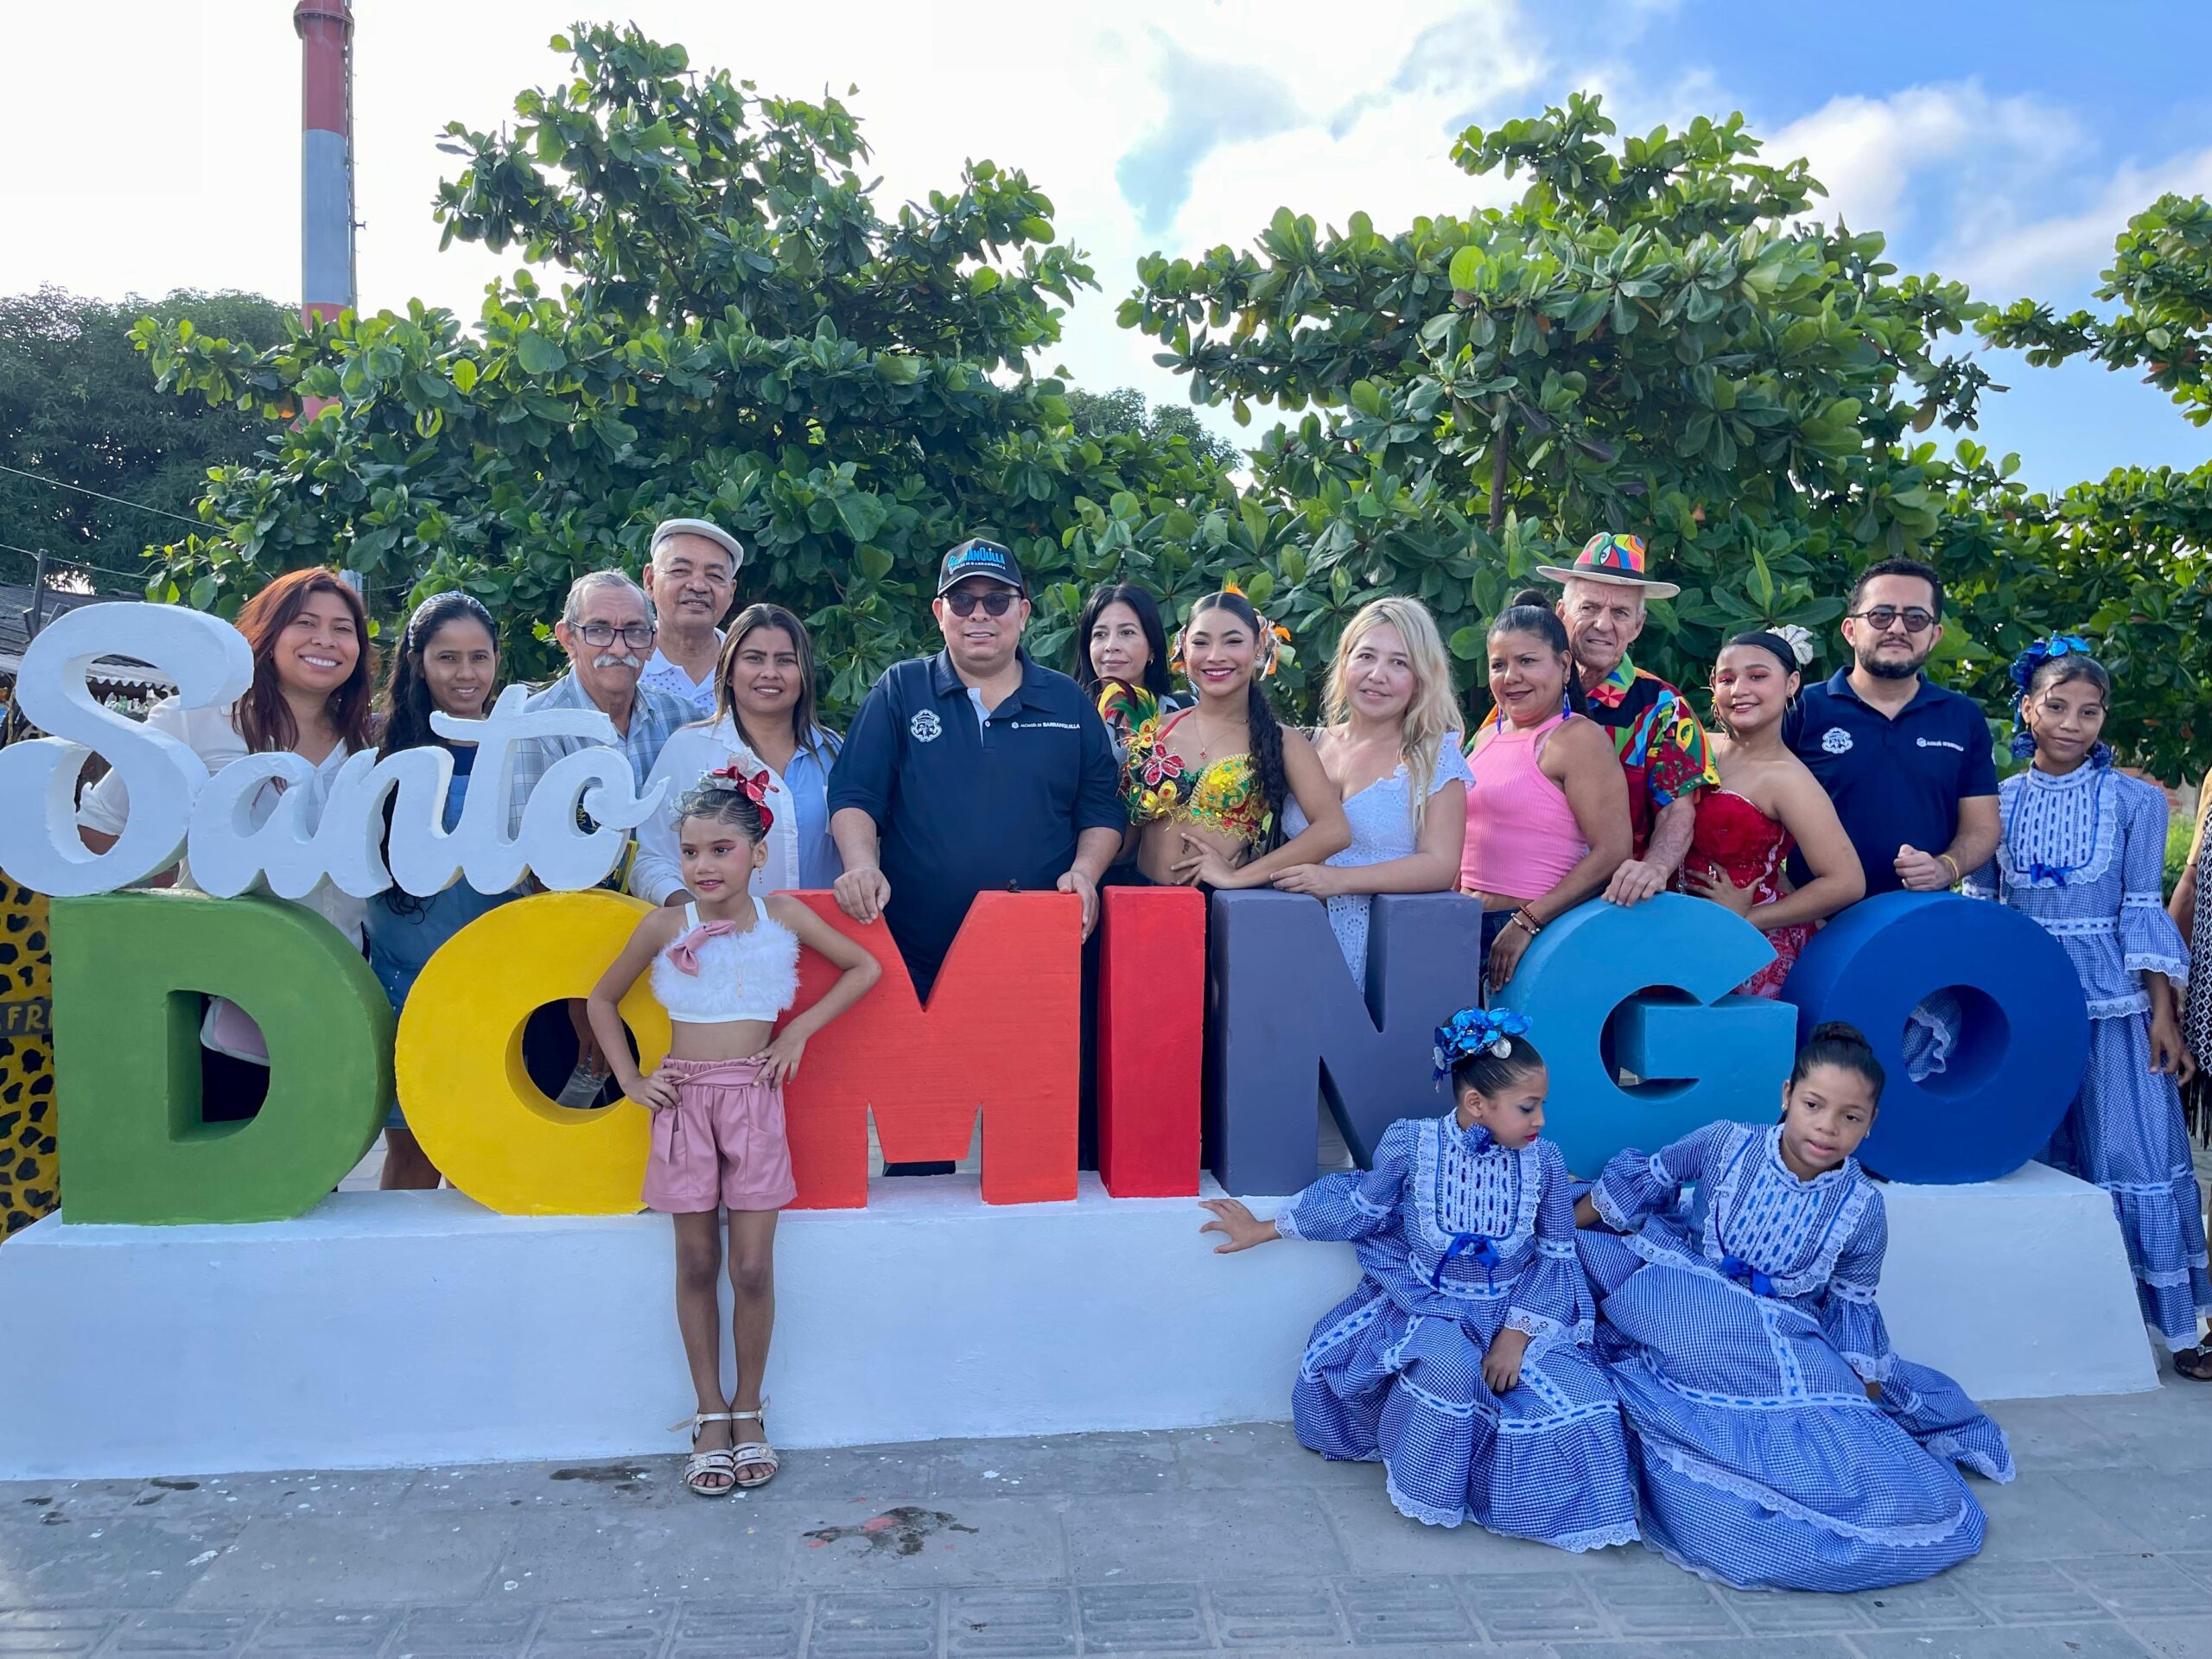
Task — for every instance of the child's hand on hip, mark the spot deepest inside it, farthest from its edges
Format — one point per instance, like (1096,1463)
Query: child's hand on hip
(657,1092)
(779,1060)
(1501,1364)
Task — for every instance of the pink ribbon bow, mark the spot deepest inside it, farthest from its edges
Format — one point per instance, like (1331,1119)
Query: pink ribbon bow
(684,955)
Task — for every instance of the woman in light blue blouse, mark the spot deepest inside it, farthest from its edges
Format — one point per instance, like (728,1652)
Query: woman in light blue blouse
(764,720)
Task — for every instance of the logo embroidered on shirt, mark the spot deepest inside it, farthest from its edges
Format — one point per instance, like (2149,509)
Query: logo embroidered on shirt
(1044,725)
(926,727)
(1940,743)
(1836,741)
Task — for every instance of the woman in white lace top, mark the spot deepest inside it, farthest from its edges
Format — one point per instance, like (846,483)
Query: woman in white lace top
(1392,749)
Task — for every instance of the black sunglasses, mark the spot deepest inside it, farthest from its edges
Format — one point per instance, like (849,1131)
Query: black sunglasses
(1885,617)
(997,602)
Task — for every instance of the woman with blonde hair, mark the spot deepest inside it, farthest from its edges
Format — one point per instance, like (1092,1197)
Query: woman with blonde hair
(1391,748)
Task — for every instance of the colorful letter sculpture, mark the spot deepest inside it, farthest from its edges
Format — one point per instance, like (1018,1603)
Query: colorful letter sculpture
(462,1081)
(1286,1015)
(1002,1035)
(126,1035)
(1152,994)
(1716,1055)
(2016,1057)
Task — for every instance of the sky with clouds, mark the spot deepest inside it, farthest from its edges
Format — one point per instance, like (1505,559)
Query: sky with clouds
(151,146)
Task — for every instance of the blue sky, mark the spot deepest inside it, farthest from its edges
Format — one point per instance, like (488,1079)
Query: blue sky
(2002,144)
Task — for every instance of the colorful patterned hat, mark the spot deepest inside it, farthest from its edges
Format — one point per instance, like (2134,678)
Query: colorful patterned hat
(1611,558)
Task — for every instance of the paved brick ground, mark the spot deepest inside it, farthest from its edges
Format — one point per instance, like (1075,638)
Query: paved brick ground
(1196,1542)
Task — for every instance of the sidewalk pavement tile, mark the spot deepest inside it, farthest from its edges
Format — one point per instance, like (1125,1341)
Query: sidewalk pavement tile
(913,1543)
(115,1565)
(1169,1537)
(319,1560)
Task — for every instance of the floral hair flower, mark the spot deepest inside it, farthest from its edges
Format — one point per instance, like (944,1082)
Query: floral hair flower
(1477,1031)
(1799,639)
(755,788)
(2024,674)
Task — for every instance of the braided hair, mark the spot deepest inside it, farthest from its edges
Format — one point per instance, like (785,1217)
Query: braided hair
(1531,612)
(1264,730)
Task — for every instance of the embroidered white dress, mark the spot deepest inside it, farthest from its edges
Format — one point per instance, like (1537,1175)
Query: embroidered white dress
(1461,1239)
(2084,855)
(1740,1333)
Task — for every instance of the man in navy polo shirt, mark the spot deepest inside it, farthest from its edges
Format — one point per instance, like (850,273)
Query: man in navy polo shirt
(1907,763)
(974,770)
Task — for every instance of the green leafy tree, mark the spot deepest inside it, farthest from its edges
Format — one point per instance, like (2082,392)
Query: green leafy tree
(1650,339)
(77,406)
(739,331)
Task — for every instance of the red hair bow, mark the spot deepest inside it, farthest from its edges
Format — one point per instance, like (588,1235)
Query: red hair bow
(756,788)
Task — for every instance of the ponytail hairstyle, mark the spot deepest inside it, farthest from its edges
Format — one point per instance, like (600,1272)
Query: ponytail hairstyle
(2057,660)
(403,710)
(727,795)
(1146,611)
(1836,1043)
(1790,645)
(1532,612)
(404,706)
(1486,1050)
(1266,731)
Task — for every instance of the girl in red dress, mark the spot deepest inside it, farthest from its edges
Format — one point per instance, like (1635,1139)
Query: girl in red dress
(1768,803)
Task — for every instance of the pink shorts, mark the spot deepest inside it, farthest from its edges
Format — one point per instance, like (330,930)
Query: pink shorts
(722,1143)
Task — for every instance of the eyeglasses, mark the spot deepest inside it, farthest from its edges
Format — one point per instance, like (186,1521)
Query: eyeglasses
(598,635)
(997,602)
(1885,617)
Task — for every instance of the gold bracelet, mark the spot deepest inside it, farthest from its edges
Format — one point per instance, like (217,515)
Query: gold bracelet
(1957,875)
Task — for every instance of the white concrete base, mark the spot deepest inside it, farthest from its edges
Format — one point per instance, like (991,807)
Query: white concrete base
(2018,1289)
(391,1329)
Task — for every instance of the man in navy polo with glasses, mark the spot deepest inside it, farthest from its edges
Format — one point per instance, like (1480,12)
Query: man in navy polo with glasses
(1907,764)
(974,770)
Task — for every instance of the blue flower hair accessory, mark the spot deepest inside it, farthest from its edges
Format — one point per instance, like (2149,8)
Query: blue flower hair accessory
(1477,1031)
(2024,673)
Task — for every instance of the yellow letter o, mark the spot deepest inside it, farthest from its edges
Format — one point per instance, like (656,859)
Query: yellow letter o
(459,1059)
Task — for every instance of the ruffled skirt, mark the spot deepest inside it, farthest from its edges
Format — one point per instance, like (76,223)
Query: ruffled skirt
(1764,1464)
(1546,1461)
(2123,1132)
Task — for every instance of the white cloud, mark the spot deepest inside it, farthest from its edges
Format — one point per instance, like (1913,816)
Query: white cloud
(2014,252)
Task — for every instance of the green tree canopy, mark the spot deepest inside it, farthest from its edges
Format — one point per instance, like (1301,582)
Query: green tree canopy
(76,407)
(728,325)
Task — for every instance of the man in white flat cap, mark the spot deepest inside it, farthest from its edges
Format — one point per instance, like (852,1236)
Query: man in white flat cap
(693,580)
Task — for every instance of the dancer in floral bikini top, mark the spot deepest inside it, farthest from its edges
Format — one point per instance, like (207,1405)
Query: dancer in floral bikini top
(1768,804)
(1204,787)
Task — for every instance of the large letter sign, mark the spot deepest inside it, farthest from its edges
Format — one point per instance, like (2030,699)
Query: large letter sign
(1717,1056)
(462,1081)
(1286,1015)
(126,1039)
(2015,1061)
(211,663)
(1152,1010)
(1001,1036)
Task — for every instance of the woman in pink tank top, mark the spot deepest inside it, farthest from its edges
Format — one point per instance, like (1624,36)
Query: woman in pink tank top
(1547,817)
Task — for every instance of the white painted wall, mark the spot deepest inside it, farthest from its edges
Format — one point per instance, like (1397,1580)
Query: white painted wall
(390,1329)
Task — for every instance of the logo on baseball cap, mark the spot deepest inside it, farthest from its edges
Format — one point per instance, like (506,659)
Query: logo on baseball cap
(978,557)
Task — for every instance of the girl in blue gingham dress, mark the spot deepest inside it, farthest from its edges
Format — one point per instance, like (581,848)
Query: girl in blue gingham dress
(1461,1363)
(1781,1444)
(2083,854)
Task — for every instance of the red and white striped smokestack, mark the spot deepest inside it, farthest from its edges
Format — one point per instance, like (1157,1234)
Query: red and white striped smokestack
(326,28)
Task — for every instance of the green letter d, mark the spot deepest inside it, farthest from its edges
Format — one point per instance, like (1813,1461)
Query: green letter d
(126,1043)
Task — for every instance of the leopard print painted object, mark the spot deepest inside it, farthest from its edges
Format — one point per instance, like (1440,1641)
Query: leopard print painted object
(29,1181)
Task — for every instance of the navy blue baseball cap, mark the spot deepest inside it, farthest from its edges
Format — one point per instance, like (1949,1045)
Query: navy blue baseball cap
(978,557)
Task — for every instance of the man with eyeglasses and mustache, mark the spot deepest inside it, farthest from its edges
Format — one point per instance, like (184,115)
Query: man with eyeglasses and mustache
(974,770)
(1907,764)
(606,628)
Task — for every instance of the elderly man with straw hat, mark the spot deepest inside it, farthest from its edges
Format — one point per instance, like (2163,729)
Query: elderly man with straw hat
(1660,745)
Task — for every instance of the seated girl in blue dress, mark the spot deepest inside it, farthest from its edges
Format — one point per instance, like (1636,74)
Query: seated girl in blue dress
(1462,1360)
(1782,1444)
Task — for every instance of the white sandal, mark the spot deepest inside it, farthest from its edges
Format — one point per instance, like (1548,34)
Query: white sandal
(700,1463)
(753,1452)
